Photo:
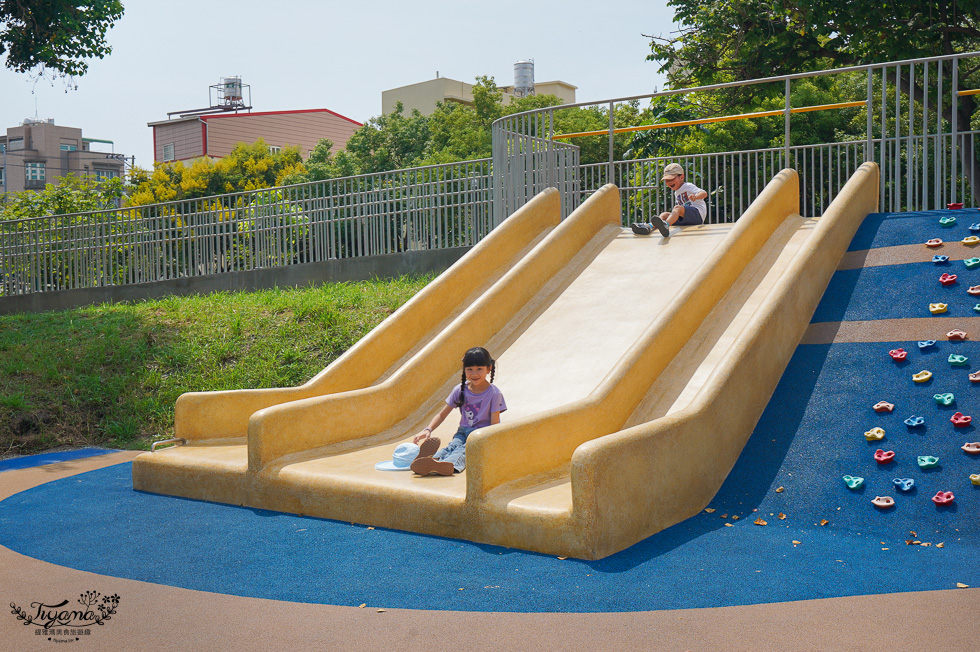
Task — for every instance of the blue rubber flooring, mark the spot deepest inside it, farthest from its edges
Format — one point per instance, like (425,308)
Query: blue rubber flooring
(832,542)
(893,229)
(50,458)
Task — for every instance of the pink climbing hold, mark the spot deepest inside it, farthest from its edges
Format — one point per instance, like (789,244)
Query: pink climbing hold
(883,502)
(883,406)
(956,334)
(934,242)
(974,290)
(975,377)
(898,354)
(943,497)
(947,279)
(971,447)
(960,420)
(884,457)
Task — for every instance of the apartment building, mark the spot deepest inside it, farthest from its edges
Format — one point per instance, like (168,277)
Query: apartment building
(215,135)
(424,95)
(38,152)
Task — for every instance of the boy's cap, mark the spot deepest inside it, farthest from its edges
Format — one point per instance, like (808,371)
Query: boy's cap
(671,171)
(402,458)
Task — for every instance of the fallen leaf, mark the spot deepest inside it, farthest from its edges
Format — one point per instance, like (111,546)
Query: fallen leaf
(759,521)
(824,521)
(916,543)
(796,543)
(734,517)
(780,490)
(912,532)
(723,516)
(563,558)
(908,542)
(370,528)
(782,517)
(926,544)
(361,606)
(940,545)
(709,510)
(729,525)
(462,589)
(960,585)
(886,548)
(381,611)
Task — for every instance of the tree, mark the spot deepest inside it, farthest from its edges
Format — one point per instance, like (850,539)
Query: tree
(390,141)
(247,167)
(73,194)
(745,39)
(56,35)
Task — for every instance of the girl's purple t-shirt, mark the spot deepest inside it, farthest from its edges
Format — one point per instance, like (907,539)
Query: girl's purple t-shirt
(477,408)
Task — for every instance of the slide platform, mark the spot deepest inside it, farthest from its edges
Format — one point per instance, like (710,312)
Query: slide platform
(634,368)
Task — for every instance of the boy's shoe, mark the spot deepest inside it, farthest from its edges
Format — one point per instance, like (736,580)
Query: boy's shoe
(661,226)
(429,447)
(427,465)
(641,228)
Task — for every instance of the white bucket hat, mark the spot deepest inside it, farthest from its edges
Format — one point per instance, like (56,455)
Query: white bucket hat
(402,458)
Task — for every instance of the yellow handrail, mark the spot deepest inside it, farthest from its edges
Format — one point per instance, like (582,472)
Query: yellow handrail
(724,118)
(974,91)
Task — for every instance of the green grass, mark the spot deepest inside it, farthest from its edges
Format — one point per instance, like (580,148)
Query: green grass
(109,375)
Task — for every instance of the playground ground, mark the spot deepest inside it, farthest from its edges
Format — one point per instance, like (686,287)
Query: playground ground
(824,570)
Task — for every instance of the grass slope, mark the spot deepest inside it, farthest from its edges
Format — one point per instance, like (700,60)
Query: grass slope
(109,375)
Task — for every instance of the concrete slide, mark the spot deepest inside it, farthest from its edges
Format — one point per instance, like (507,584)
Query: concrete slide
(635,368)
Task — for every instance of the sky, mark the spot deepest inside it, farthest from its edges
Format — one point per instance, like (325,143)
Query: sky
(305,54)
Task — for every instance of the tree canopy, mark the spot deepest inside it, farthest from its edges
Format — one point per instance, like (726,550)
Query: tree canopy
(56,35)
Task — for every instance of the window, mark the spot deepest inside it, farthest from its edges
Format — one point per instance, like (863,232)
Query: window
(168,152)
(16,143)
(103,175)
(34,171)
(68,148)
(274,149)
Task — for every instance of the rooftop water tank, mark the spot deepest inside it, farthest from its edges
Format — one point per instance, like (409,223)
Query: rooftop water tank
(524,78)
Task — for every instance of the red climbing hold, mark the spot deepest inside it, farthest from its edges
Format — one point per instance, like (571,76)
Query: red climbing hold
(884,457)
(898,354)
(960,420)
(943,497)
(947,279)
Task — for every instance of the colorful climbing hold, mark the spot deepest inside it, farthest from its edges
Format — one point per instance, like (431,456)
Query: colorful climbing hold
(970,240)
(915,422)
(934,242)
(976,308)
(884,457)
(954,205)
(947,221)
(900,354)
(922,377)
(943,497)
(853,482)
(903,484)
(956,334)
(883,406)
(971,262)
(960,420)
(927,461)
(925,344)
(957,360)
(971,447)
(974,227)
(875,434)
(975,478)
(975,377)
(883,502)
(944,399)
(973,290)
(937,308)
(948,279)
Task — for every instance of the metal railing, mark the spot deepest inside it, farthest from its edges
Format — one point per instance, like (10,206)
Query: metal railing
(431,207)
(914,128)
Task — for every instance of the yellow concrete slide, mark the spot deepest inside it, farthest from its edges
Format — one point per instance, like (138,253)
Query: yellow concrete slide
(634,369)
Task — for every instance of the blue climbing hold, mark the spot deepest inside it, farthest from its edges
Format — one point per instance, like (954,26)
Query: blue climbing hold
(927,461)
(947,221)
(915,422)
(853,482)
(974,227)
(925,344)
(957,360)
(944,399)
(903,484)
(971,262)
(939,259)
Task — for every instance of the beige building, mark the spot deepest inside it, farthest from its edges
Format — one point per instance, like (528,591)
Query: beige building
(424,95)
(39,152)
(215,135)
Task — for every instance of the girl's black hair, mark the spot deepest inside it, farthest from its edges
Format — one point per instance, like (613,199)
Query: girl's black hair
(475,357)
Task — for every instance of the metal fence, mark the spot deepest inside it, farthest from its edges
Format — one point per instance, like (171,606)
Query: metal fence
(916,116)
(431,207)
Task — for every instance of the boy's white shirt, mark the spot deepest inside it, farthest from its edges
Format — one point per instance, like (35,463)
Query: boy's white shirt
(683,195)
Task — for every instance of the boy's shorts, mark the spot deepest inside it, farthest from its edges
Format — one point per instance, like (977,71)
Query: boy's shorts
(691,215)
